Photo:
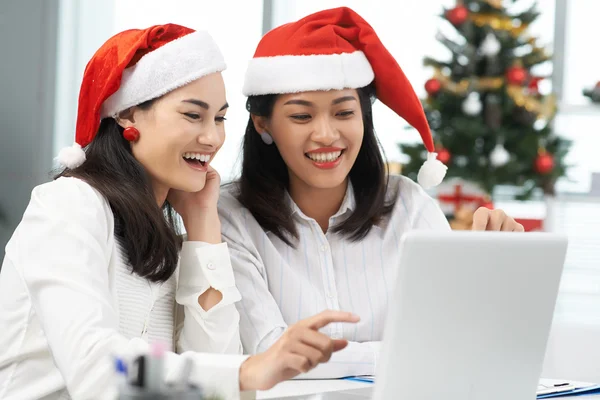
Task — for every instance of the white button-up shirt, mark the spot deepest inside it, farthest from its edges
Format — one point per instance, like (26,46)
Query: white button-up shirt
(281,285)
(69,303)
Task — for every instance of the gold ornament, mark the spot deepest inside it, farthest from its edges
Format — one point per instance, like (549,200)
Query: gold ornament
(495,3)
(545,109)
(464,86)
(394,168)
(498,23)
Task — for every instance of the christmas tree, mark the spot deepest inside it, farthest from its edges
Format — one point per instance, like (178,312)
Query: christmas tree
(491,124)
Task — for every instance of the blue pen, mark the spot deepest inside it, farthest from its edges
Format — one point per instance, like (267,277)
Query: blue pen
(359,379)
(121,370)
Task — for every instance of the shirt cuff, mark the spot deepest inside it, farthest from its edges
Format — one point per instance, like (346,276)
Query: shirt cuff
(204,265)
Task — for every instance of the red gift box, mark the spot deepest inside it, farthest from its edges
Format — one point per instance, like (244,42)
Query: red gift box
(531,225)
(455,194)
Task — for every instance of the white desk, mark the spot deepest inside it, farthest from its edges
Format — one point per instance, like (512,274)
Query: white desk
(334,390)
(317,390)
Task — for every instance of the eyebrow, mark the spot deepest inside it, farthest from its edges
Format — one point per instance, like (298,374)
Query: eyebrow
(300,103)
(309,104)
(203,104)
(343,99)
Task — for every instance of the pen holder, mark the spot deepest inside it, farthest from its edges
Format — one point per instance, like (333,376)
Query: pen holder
(167,393)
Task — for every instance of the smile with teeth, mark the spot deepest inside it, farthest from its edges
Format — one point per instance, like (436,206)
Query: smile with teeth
(325,157)
(196,158)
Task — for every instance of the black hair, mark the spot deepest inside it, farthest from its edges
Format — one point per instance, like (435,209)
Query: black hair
(147,233)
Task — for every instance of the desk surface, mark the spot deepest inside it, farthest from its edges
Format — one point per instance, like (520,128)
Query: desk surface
(315,389)
(334,389)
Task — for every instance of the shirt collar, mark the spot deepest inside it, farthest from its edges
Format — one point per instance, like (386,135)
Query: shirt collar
(348,203)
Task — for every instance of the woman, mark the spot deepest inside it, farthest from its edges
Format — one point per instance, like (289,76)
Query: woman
(96,270)
(314,222)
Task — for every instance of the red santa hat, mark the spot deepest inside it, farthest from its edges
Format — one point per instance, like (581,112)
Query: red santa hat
(332,50)
(135,66)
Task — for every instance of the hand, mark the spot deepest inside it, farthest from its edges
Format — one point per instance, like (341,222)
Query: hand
(301,348)
(188,203)
(485,219)
(199,209)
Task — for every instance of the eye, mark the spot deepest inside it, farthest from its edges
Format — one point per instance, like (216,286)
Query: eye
(300,117)
(220,119)
(346,113)
(192,115)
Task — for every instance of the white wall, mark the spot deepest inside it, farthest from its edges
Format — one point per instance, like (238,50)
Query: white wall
(28,29)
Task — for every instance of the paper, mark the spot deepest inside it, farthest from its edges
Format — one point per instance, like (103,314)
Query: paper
(547,388)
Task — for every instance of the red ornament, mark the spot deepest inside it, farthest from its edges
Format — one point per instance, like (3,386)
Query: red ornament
(444,156)
(516,75)
(458,15)
(544,163)
(533,85)
(131,134)
(433,86)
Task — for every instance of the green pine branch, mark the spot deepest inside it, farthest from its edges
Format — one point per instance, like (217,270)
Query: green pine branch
(529,15)
(472,139)
(431,62)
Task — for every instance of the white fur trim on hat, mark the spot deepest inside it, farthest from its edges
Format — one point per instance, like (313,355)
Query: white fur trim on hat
(293,74)
(432,172)
(71,157)
(167,68)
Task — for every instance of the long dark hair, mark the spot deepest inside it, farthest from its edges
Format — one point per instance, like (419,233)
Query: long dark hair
(147,234)
(264,178)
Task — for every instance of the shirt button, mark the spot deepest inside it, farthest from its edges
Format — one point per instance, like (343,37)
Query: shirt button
(330,295)
(210,266)
(324,247)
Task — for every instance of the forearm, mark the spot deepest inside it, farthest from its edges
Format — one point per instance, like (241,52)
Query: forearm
(205,227)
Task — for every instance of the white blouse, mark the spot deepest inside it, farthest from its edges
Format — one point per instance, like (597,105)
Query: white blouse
(69,304)
(281,285)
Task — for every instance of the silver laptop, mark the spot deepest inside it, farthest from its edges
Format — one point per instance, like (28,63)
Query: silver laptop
(470,316)
(469,319)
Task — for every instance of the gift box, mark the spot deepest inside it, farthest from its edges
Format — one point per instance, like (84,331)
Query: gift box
(459,199)
(456,194)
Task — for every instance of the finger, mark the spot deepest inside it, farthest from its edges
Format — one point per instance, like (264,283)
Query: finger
(518,228)
(212,173)
(339,344)
(315,356)
(497,219)
(326,317)
(509,225)
(314,339)
(480,219)
(296,362)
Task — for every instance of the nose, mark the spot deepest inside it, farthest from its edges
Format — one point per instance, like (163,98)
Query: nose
(211,136)
(325,132)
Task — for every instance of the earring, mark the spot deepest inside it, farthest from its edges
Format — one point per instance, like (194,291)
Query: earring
(266,138)
(131,134)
